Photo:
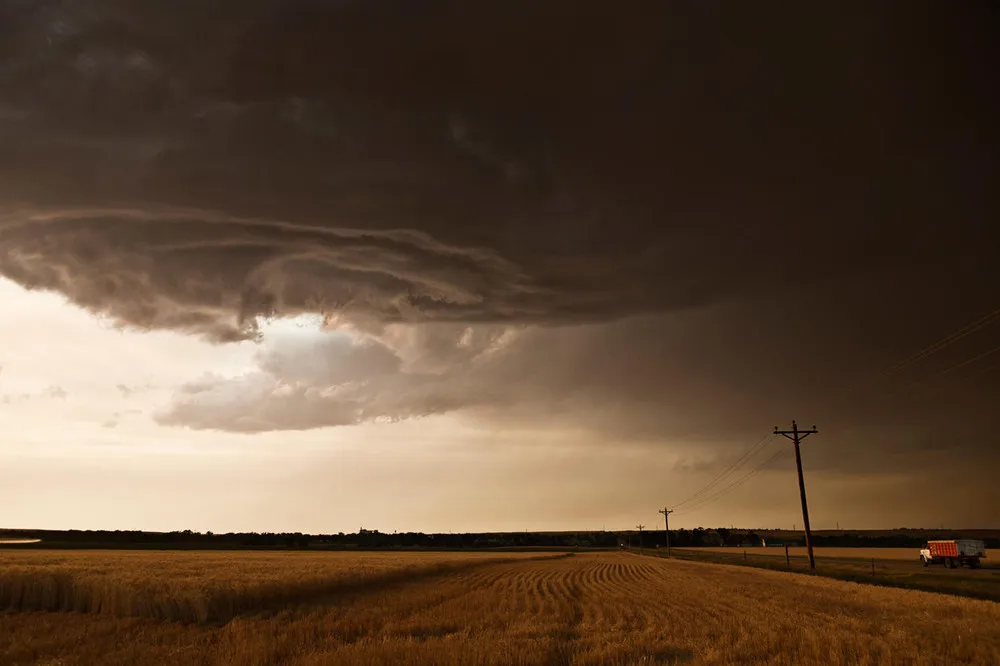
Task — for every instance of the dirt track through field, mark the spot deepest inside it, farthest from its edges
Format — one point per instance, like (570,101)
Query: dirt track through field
(604,608)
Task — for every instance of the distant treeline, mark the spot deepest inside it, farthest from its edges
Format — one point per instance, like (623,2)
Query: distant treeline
(904,538)
(374,539)
(365,539)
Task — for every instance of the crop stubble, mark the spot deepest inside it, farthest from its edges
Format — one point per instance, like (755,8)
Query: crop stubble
(591,608)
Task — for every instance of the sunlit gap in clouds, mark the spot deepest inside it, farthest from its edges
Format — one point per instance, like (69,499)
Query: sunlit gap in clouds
(46,341)
(310,337)
(305,326)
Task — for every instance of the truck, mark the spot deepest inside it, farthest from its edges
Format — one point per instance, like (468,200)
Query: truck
(954,553)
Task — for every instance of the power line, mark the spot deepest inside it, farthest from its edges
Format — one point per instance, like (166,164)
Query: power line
(742,460)
(988,368)
(861,387)
(988,352)
(947,341)
(736,484)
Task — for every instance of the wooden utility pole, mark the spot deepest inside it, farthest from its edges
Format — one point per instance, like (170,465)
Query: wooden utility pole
(797,436)
(639,527)
(666,525)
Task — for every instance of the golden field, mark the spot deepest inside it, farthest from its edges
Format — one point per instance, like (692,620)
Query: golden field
(202,586)
(365,608)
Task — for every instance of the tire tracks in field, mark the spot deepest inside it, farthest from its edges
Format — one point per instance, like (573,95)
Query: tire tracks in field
(537,593)
(350,591)
(565,586)
(63,592)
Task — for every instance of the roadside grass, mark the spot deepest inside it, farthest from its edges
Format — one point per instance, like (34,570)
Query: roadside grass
(981,583)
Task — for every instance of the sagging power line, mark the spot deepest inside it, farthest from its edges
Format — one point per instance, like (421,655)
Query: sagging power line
(969,361)
(858,389)
(700,498)
(947,341)
(736,484)
(742,460)
(796,435)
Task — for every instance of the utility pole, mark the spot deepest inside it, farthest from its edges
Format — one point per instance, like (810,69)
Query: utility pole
(797,436)
(666,525)
(639,527)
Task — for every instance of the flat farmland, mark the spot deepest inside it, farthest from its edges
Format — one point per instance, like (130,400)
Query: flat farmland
(911,554)
(881,566)
(204,586)
(442,608)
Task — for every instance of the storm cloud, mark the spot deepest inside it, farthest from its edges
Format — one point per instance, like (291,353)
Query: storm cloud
(622,216)
(195,166)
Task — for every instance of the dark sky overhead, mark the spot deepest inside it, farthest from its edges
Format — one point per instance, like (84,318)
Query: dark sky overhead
(647,222)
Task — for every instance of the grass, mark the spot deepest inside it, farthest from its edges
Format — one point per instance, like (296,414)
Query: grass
(908,554)
(856,564)
(588,608)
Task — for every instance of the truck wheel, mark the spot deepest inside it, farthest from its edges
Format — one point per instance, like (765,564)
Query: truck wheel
(951,563)
(924,560)
(975,564)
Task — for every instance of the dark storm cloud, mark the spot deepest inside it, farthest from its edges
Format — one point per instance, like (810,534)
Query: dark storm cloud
(671,378)
(214,275)
(442,178)
(193,165)
(717,377)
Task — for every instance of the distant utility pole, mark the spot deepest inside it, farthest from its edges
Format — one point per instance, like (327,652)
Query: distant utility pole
(666,525)
(797,436)
(639,527)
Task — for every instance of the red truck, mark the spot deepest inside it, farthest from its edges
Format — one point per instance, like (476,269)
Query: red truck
(954,553)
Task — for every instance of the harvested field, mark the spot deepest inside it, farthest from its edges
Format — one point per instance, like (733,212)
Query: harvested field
(590,608)
(202,586)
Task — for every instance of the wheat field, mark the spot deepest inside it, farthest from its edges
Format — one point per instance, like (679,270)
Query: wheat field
(204,586)
(587,608)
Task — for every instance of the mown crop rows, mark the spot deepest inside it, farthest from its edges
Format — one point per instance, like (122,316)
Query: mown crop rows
(590,608)
(202,586)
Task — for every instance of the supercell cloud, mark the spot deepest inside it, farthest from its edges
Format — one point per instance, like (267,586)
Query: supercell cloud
(192,165)
(508,208)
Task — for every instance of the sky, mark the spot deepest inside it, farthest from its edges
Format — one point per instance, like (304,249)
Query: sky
(315,266)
